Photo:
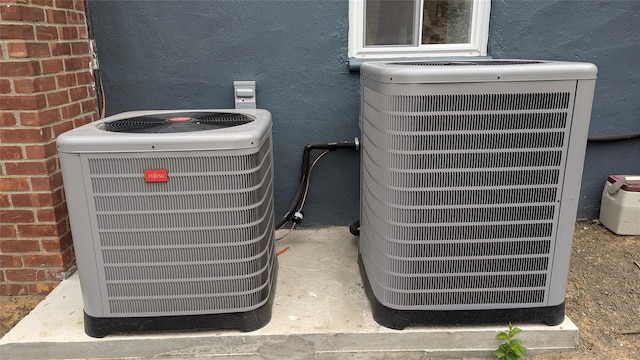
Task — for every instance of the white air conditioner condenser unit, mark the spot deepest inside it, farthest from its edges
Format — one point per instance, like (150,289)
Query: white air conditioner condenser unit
(470,184)
(172,219)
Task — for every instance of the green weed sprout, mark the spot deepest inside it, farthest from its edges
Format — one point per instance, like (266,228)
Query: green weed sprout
(512,349)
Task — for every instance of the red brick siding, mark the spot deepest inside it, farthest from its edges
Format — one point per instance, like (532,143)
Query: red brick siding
(46,88)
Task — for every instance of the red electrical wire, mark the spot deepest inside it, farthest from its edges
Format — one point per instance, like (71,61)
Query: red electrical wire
(282,251)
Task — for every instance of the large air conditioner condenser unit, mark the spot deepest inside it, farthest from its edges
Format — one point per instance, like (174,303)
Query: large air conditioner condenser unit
(172,219)
(470,183)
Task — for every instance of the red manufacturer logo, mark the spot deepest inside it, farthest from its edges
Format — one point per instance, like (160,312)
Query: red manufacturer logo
(156,175)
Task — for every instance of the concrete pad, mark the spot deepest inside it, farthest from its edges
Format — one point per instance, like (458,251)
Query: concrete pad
(320,312)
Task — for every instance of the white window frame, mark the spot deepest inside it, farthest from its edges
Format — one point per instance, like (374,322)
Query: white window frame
(477,46)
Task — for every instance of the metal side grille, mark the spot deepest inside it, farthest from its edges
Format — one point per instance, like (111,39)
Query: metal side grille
(202,242)
(404,283)
(477,121)
(478,102)
(460,194)
(470,297)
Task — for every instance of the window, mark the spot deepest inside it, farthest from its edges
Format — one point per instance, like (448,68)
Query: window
(418,28)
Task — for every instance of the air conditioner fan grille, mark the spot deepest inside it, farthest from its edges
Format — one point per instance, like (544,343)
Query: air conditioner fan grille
(177,122)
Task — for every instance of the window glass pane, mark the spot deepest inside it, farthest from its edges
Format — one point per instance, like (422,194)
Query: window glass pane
(389,22)
(446,21)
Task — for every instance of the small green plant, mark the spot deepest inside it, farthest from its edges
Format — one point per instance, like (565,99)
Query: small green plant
(512,349)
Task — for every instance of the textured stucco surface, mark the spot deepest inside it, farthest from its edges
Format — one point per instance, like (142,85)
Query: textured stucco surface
(600,32)
(186,54)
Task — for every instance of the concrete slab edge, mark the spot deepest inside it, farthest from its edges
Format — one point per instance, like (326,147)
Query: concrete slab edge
(318,346)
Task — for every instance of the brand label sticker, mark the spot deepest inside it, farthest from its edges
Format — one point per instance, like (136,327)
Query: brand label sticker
(156,175)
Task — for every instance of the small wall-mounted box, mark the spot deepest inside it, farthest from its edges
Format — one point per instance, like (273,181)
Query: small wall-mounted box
(245,94)
(620,207)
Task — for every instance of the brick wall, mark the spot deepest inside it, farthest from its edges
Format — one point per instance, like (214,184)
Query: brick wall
(46,88)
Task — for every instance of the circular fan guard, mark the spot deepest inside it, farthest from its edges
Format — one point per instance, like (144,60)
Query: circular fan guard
(177,122)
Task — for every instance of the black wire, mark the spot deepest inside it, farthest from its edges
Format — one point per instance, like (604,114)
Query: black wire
(87,11)
(91,38)
(294,205)
(615,137)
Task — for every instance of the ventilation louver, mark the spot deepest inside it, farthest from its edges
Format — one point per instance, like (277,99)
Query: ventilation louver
(470,180)
(172,218)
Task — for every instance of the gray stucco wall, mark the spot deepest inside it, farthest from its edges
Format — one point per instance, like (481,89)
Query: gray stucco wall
(600,32)
(186,54)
